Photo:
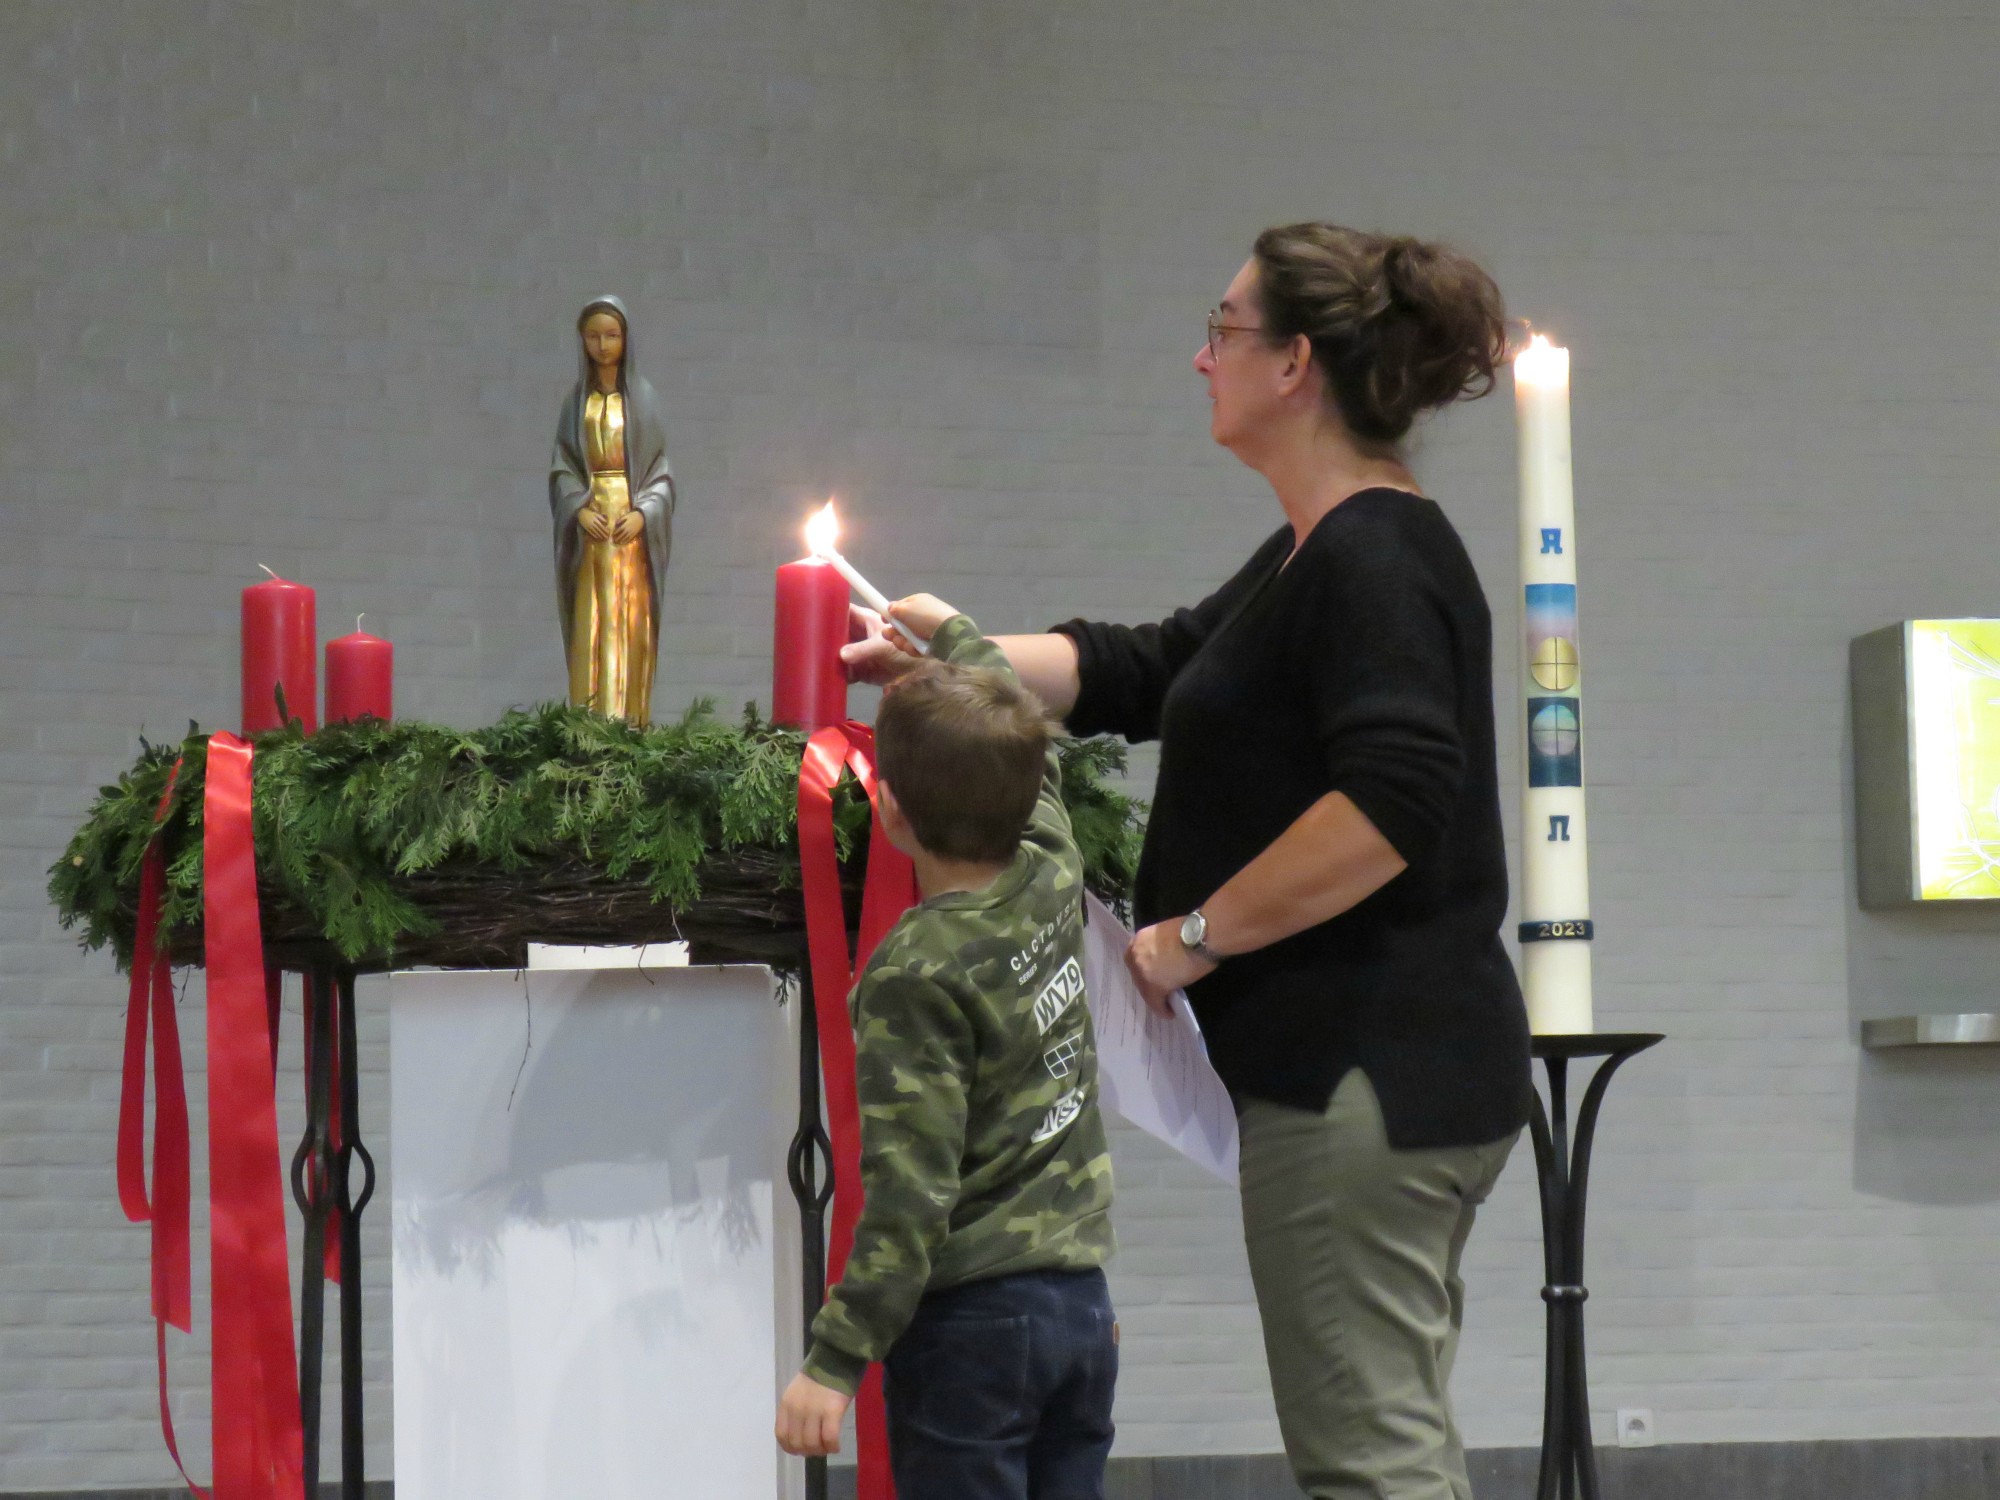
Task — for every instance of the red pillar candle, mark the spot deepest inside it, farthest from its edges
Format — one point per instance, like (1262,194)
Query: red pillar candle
(360,677)
(808,683)
(280,642)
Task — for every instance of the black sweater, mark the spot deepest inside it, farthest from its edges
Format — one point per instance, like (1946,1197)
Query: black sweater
(1365,667)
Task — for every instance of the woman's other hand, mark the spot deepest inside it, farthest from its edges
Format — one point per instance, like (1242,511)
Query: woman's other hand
(628,526)
(875,654)
(1160,964)
(594,524)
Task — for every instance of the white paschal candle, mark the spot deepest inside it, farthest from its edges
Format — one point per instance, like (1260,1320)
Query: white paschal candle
(1555,875)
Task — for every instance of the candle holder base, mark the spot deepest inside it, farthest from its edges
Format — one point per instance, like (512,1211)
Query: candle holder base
(1569,1462)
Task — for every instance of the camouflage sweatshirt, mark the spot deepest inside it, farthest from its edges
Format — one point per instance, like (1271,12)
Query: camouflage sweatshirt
(982,1151)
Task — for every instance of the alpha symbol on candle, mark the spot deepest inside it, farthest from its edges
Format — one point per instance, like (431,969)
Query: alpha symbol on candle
(1552,540)
(1559,828)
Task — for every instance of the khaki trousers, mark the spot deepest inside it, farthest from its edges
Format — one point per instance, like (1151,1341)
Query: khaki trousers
(1354,1251)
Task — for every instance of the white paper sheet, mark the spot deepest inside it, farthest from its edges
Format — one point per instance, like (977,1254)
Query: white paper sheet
(596,1261)
(1153,1070)
(637,956)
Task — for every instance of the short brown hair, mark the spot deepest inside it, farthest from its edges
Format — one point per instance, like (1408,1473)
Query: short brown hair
(962,748)
(1400,326)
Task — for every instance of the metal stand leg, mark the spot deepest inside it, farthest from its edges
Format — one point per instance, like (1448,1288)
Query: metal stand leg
(312,1190)
(349,1151)
(1569,1461)
(809,1168)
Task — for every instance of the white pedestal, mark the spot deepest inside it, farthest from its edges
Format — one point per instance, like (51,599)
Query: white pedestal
(596,1254)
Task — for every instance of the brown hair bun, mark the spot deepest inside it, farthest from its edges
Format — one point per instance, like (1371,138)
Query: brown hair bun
(1401,326)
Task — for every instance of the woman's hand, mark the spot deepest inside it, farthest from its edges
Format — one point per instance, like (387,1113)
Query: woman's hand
(1160,964)
(593,524)
(628,526)
(876,653)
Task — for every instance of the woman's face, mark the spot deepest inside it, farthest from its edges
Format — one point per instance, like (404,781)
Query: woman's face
(604,340)
(1239,366)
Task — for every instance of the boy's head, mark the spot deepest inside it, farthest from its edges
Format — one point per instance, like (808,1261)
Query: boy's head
(961,750)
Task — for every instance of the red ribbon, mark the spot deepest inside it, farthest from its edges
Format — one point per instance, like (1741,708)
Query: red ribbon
(259,1445)
(151,994)
(890,888)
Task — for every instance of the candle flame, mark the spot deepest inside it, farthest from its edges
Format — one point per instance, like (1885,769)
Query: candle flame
(823,530)
(1542,363)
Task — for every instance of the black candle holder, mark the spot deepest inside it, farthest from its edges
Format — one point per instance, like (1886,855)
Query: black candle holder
(331,1170)
(1569,1461)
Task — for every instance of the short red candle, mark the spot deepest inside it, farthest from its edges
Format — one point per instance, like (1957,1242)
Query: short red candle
(360,677)
(280,642)
(808,683)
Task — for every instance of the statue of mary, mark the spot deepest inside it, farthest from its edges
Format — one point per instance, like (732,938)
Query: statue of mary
(612,497)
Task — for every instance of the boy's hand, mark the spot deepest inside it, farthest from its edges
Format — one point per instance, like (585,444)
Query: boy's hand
(922,613)
(809,1417)
(875,653)
(1160,964)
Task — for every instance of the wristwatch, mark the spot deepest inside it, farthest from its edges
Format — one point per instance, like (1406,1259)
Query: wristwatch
(1194,936)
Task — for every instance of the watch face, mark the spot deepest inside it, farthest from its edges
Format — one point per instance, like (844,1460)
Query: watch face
(1193,929)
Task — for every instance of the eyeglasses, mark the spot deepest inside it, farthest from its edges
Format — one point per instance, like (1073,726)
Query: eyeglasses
(1215,327)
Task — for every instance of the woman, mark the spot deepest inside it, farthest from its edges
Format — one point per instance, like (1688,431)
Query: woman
(612,496)
(1323,867)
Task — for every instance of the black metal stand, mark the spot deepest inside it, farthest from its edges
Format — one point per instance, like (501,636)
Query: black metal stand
(323,1182)
(1569,1462)
(809,1168)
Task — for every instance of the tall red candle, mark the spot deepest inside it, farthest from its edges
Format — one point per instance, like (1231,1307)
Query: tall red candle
(808,683)
(280,642)
(360,677)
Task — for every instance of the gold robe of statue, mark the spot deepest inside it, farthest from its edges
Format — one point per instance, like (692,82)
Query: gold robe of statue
(612,499)
(611,625)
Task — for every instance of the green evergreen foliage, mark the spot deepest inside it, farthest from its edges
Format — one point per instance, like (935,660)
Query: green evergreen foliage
(341,816)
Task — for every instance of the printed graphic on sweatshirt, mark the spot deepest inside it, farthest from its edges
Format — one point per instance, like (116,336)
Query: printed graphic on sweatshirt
(1058,995)
(1060,1116)
(1062,1056)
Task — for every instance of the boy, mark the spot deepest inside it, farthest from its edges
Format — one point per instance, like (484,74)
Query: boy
(974,1275)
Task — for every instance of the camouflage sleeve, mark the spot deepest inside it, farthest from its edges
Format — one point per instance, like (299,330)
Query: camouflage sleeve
(959,642)
(914,1053)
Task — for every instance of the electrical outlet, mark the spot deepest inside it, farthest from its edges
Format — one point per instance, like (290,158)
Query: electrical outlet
(1635,1427)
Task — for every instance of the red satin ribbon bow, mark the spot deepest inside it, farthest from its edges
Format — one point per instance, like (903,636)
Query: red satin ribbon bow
(259,1445)
(890,889)
(258,1441)
(152,994)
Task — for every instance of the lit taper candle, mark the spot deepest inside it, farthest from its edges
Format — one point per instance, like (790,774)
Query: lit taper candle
(1555,876)
(822,531)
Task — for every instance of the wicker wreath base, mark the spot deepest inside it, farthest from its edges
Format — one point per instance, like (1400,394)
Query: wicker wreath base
(750,911)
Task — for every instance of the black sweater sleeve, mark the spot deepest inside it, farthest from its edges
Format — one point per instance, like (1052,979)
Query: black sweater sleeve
(1123,671)
(1380,666)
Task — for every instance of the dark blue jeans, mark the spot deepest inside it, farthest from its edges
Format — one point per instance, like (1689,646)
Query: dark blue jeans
(1001,1390)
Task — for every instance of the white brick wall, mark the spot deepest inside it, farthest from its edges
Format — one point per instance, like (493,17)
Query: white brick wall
(293,285)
